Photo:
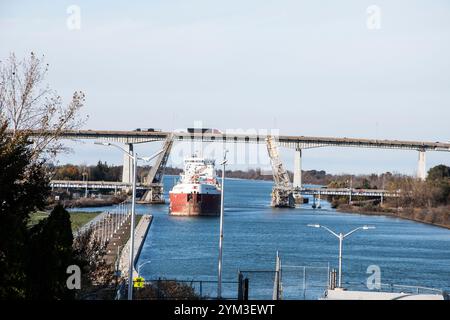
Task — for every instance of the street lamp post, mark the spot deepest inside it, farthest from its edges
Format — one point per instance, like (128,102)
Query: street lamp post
(141,265)
(85,178)
(134,157)
(219,275)
(351,190)
(341,238)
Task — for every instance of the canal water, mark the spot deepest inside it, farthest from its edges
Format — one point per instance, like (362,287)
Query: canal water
(186,248)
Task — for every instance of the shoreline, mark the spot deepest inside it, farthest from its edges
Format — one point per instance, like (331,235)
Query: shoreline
(354,210)
(90,202)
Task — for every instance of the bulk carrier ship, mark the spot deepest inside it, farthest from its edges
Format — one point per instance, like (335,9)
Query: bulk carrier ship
(197,193)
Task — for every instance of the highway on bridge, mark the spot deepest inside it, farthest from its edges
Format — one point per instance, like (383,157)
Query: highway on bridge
(302,142)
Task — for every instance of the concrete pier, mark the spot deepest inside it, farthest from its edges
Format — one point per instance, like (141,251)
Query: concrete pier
(297,183)
(421,168)
(127,174)
(297,169)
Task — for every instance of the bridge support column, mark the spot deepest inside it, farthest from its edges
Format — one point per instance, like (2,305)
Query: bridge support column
(297,184)
(127,174)
(421,169)
(298,169)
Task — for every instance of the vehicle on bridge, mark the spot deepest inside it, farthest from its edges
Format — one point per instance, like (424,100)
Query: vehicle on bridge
(147,130)
(203,130)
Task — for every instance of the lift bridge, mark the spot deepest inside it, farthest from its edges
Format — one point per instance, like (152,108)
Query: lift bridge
(284,193)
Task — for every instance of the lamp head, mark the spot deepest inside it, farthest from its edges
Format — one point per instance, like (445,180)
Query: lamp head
(368,227)
(314,225)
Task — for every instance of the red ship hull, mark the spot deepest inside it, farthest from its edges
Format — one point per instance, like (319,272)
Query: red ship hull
(194,204)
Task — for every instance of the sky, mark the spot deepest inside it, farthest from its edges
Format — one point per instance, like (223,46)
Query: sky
(368,69)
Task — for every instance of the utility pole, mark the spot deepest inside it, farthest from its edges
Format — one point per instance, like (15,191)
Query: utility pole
(134,157)
(219,275)
(351,190)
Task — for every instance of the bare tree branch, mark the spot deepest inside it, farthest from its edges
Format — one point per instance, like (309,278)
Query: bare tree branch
(26,103)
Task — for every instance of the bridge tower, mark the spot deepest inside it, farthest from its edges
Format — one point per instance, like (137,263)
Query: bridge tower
(421,168)
(282,195)
(298,175)
(154,179)
(127,173)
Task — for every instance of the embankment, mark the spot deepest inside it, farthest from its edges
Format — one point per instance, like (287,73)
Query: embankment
(140,233)
(439,216)
(88,202)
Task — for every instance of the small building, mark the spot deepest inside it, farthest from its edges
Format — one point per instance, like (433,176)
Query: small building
(342,294)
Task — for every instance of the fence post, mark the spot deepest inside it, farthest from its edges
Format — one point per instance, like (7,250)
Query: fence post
(157,288)
(246,289)
(332,284)
(240,295)
(276,283)
(304,282)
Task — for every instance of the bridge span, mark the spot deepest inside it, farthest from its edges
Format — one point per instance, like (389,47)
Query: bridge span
(298,143)
(104,185)
(294,142)
(317,191)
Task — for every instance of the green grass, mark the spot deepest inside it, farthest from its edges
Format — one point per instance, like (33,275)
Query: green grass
(36,217)
(77,218)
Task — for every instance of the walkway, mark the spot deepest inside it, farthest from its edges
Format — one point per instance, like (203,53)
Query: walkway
(139,237)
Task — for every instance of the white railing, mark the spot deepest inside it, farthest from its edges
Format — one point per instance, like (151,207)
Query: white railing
(110,223)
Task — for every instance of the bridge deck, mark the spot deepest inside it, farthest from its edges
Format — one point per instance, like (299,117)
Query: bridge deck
(346,192)
(287,141)
(66,184)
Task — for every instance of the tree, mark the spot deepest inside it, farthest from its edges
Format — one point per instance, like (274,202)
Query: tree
(438,180)
(68,172)
(23,189)
(49,254)
(96,274)
(365,184)
(440,172)
(27,103)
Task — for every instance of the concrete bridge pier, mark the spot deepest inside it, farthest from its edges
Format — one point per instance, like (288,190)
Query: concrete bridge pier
(421,169)
(127,172)
(297,184)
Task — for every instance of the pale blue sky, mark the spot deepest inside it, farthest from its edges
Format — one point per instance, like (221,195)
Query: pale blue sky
(304,67)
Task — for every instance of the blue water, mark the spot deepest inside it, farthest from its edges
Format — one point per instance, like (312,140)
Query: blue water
(407,252)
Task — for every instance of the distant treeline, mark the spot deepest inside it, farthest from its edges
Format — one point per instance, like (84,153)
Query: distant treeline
(102,171)
(425,201)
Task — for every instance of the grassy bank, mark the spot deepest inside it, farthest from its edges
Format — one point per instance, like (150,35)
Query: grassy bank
(437,216)
(77,218)
(80,218)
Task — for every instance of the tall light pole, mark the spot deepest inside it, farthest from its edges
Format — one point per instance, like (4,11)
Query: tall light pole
(219,274)
(341,238)
(351,190)
(134,157)
(85,177)
(141,265)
